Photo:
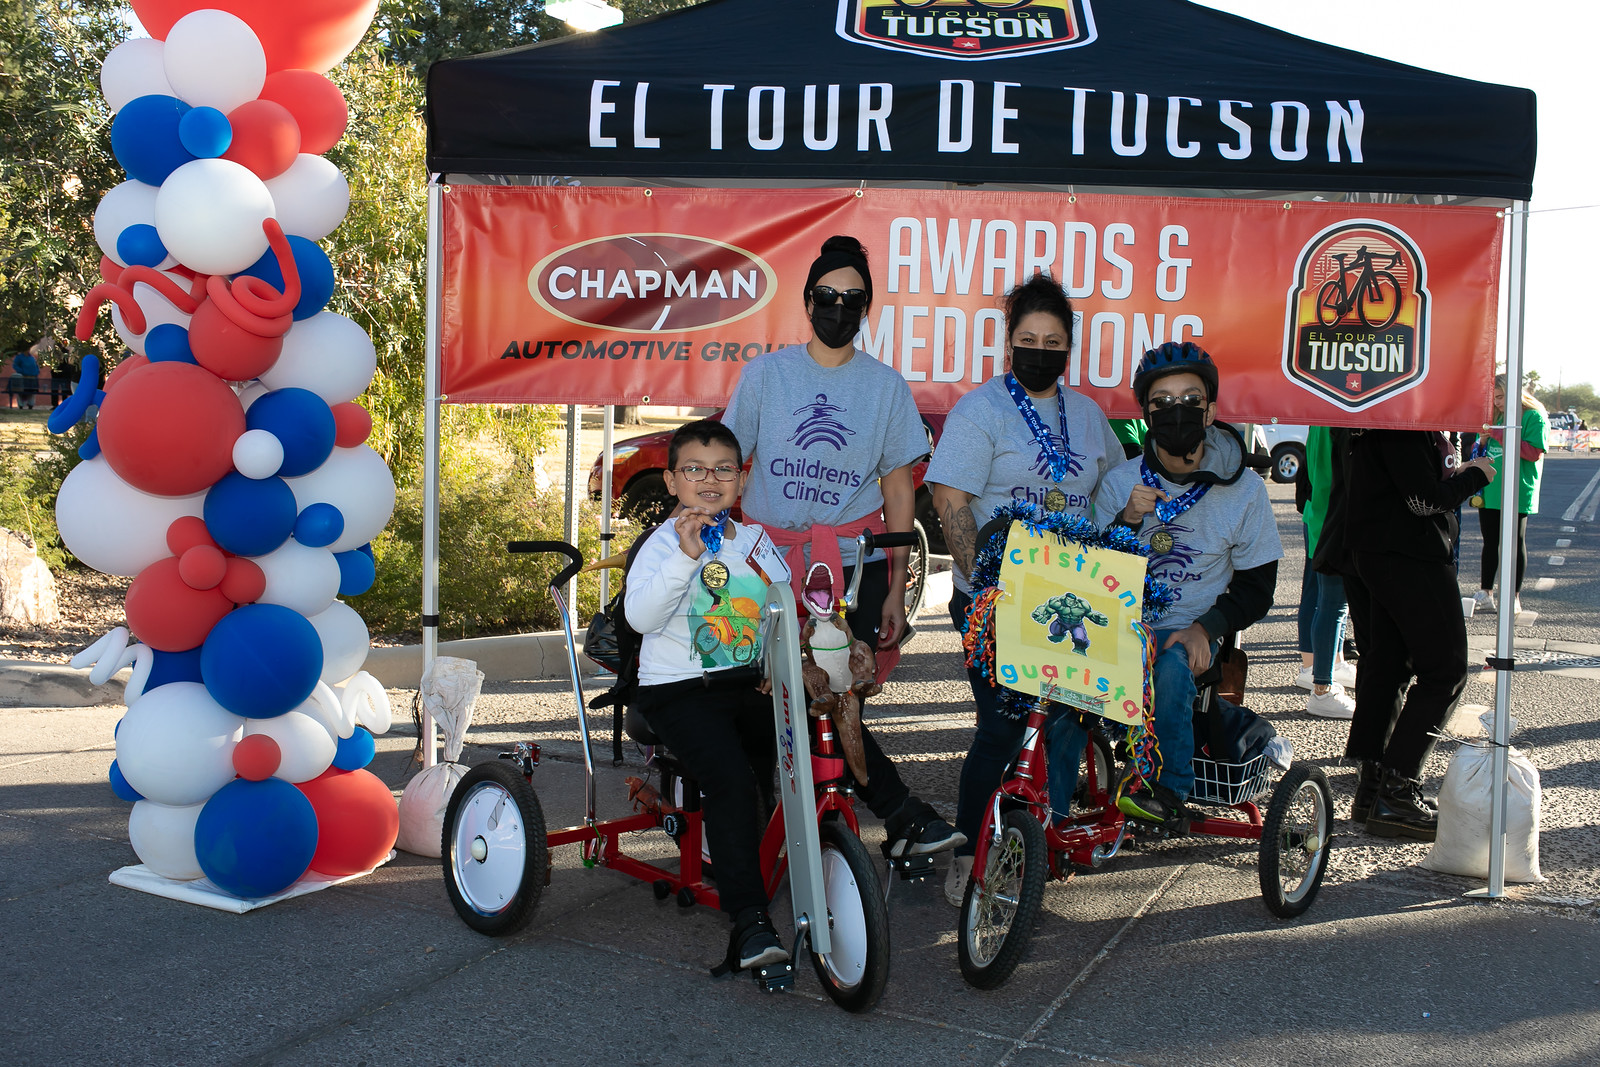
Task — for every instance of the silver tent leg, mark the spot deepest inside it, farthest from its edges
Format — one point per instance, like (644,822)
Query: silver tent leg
(430,477)
(608,433)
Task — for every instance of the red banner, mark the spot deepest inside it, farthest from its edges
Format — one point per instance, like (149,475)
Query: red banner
(1330,314)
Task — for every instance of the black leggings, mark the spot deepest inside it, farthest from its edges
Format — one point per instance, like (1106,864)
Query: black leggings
(887,791)
(1489,523)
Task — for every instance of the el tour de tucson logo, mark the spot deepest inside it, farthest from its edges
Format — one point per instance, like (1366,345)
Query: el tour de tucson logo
(967,29)
(1356,329)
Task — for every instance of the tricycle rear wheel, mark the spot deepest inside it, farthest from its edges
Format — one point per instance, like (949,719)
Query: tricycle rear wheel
(493,849)
(1294,840)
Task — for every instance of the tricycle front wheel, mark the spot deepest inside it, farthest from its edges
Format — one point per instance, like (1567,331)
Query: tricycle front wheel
(997,919)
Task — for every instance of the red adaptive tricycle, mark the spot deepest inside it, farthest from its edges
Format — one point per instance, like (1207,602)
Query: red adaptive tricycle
(495,845)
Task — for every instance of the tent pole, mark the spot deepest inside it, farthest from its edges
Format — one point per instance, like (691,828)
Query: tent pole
(608,433)
(570,534)
(430,460)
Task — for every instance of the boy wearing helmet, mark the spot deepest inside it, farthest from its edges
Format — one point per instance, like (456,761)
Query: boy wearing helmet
(1212,537)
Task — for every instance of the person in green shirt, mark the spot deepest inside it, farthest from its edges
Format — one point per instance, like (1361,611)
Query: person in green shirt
(1531,441)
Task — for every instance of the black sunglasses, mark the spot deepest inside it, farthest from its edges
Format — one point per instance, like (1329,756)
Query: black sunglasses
(1188,400)
(824,296)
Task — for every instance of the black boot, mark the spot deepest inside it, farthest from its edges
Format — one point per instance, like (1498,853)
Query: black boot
(1367,780)
(754,942)
(1400,810)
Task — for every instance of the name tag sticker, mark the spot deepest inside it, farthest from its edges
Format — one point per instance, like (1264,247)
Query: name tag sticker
(767,561)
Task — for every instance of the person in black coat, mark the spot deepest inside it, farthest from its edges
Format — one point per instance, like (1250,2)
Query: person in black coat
(1401,491)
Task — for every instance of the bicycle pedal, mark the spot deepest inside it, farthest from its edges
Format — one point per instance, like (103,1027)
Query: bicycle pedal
(774,977)
(910,868)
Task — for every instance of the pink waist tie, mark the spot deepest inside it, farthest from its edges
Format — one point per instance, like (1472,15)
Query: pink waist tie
(824,542)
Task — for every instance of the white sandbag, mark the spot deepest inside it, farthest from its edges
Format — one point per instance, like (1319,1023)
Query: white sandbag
(449,691)
(1462,844)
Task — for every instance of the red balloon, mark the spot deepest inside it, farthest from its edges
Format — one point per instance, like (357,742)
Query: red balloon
(227,350)
(127,366)
(358,820)
(202,567)
(187,532)
(351,424)
(256,757)
(169,428)
(301,34)
(110,270)
(166,613)
(266,138)
(318,107)
(244,581)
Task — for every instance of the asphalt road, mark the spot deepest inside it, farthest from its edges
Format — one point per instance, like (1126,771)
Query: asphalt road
(1165,956)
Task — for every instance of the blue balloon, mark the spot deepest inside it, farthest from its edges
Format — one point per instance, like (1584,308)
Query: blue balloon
(144,138)
(167,342)
(168,667)
(261,660)
(250,517)
(316,274)
(319,526)
(140,246)
(205,132)
(302,421)
(355,751)
(254,839)
(356,572)
(367,549)
(124,791)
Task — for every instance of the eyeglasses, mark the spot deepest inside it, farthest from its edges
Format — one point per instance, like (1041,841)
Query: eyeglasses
(695,473)
(824,296)
(1188,400)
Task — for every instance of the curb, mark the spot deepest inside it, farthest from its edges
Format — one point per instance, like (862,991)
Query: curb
(53,685)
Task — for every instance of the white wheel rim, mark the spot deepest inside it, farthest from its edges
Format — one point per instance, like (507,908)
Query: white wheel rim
(847,929)
(488,823)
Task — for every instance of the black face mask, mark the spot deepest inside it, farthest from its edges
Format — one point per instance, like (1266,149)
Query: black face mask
(1038,368)
(1178,430)
(835,325)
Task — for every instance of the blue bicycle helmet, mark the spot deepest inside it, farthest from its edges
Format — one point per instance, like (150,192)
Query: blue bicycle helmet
(1174,358)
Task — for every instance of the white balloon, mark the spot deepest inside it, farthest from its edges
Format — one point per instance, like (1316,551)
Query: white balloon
(257,454)
(214,59)
(113,527)
(327,354)
(365,697)
(299,577)
(356,481)
(209,214)
(311,197)
(133,69)
(157,310)
(306,747)
(128,204)
(175,746)
(345,642)
(163,836)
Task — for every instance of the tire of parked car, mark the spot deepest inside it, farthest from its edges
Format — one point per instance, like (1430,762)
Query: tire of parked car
(1287,459)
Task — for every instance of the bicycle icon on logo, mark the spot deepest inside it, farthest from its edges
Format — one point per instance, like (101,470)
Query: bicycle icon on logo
(1375,295)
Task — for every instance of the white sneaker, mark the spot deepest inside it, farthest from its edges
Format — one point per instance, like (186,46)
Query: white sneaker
(1516,605)
(955,883)
(1483,600)
(1344,673)
(1333,704)
(1303,679)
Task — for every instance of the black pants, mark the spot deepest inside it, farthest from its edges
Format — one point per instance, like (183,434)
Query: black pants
(725,739)
(1489,523)
(1412,633)
(887,791)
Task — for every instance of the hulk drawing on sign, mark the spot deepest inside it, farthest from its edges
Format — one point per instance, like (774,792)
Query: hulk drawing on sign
(1066,614)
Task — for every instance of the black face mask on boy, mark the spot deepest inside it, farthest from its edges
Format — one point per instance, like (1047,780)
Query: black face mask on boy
(1179,430)
(1038,368)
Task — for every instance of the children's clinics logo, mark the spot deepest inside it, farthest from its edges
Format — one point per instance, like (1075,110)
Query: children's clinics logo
(967,29)
(1356,326)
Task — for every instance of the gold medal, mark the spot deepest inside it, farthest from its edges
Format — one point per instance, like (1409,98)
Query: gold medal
(1161,542)
(1055,500)
(714,575)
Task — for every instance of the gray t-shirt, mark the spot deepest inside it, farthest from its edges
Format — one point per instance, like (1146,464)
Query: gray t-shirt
(987,450)
(1230,529)
(821,438)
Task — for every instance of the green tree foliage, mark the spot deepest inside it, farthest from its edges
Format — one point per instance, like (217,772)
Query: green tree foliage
(55,160)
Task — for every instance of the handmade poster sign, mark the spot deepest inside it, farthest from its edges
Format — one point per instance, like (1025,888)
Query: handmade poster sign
(1064,629)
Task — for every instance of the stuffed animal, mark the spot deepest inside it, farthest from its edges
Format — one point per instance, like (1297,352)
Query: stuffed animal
(839,671)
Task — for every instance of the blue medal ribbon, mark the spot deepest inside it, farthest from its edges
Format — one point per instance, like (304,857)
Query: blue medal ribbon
(1167,510)
(1061,463)
(712,535)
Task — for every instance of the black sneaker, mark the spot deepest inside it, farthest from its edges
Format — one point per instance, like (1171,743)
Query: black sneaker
(917,830)
(1156,805)
(755,941)
(1400,810)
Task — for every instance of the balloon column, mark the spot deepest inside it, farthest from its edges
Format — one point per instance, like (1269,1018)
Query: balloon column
(228,469)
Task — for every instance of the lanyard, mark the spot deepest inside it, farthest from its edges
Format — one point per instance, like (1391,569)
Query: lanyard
(1061,463)
(712,535)
(1167,510)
